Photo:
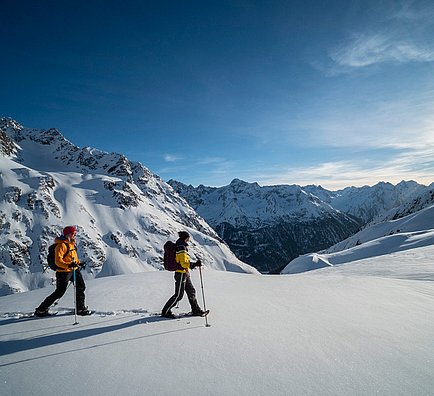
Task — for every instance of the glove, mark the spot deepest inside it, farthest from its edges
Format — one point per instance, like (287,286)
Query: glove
(198,264)
(73,265)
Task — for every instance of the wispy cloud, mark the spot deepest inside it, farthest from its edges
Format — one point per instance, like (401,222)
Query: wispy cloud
(409,165)
(400,33)
(172,157)
(406,122)
(413,11)
(368,49)
(212,161)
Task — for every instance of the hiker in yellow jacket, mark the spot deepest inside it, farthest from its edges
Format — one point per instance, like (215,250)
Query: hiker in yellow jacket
(183,280)
(67,262)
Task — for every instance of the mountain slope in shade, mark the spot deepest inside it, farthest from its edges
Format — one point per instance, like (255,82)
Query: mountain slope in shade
(124,213)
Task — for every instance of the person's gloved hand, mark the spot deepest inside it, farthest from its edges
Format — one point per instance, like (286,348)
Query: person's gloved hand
(198,263)
(73,265)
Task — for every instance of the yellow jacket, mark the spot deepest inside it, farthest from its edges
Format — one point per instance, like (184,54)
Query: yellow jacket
(182,256)
(63,261)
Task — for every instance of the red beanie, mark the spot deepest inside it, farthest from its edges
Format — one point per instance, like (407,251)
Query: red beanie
(69,230)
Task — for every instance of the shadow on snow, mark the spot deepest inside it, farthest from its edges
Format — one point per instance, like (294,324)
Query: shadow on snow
(14,346)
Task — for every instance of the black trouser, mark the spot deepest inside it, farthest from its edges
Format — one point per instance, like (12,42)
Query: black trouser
(62,280)
(182,283)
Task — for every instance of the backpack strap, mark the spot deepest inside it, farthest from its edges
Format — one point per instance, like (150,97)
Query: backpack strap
(67,250)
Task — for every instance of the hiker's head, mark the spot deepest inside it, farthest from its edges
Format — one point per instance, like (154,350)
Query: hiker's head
(70,232)
(184,236)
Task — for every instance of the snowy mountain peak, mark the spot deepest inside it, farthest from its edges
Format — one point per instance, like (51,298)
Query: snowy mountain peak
(241,184)
(9,123)
(17,133)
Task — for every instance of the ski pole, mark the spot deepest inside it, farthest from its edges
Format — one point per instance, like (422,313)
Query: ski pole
(203,297)
(75,299)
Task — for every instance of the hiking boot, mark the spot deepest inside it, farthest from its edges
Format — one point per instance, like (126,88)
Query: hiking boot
(199,312)
(168,315)
(41,312)
(84,312)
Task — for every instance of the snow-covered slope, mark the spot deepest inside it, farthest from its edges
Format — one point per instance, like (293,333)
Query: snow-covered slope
(124,213)
(419,202)
(414,230)
(338,331)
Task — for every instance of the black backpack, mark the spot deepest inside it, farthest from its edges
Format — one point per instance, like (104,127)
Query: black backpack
(169,257)
(50,257)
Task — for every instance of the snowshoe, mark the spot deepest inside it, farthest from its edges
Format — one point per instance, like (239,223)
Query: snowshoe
(168,315)
(39,313)
(200,313)
(84,312)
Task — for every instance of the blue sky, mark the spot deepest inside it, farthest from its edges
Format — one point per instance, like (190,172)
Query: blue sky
(336,93)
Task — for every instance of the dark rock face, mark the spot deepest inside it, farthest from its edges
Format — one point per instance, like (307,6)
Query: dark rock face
(270,248)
